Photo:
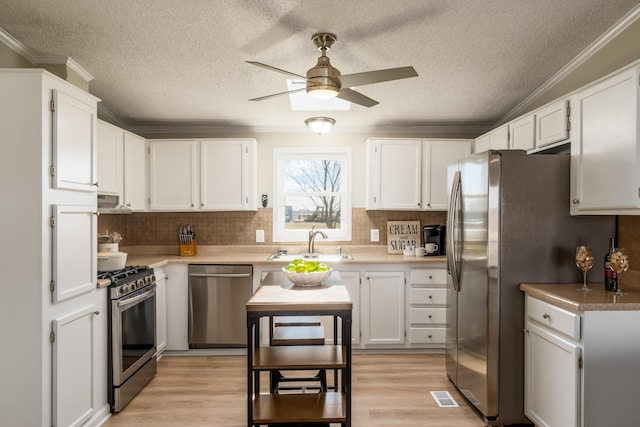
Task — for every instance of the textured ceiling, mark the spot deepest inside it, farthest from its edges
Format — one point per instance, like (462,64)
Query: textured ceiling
(173,62)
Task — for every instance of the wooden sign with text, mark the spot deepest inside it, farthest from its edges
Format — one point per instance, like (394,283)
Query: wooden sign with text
(401,234)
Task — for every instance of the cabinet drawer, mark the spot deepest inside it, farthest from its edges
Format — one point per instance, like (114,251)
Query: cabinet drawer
(427,335)
(428,276)
(554,317)
(428,296)
(427,315)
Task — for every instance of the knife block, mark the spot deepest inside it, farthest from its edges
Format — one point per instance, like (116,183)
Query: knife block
(188,250)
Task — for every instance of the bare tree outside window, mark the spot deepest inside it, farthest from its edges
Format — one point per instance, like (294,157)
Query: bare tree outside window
(312,193)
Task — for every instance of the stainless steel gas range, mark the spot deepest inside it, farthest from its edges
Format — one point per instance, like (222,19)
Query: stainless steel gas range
(132,333)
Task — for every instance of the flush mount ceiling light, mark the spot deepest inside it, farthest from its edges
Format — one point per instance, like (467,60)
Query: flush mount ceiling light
(320,125)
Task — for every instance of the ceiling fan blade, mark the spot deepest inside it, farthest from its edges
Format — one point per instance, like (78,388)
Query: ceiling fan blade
(277,94)
(370,77)
(269,67)
(356,97)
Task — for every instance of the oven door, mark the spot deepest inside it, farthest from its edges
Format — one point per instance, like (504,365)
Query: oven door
(134,333)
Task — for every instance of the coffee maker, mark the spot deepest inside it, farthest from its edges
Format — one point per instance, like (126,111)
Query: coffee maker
(435,234)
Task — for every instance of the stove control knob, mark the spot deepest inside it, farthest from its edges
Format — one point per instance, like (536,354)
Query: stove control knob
(123,289)
(139,283)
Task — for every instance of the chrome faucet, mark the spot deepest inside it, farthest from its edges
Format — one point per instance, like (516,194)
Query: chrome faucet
(312,237)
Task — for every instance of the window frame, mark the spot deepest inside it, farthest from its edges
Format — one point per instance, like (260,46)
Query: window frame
(280,155)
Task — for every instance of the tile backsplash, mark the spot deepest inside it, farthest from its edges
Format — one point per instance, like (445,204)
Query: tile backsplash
(239,228)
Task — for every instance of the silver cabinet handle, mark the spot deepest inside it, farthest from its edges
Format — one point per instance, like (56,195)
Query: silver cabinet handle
(575,201)
(546,316)
(97,312)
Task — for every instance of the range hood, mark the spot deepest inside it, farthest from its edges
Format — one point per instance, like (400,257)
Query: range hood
(110,204)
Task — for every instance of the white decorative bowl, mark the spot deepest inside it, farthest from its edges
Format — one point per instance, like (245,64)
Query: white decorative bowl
(111,261)
(307,279)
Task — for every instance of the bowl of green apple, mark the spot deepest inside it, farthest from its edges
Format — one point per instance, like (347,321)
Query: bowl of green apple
(307,272)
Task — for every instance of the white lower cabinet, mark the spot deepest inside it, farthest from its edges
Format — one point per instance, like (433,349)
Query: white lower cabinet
(74,338)
(177,306)
(384,308)
(161,311)
(385,315)
(427,307)
(580,368)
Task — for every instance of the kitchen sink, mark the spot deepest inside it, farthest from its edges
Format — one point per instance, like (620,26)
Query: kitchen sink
(281,256)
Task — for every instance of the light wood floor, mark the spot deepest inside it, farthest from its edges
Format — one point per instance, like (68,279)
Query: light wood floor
(388,390)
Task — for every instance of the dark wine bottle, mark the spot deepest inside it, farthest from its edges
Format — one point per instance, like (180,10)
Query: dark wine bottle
(610,276)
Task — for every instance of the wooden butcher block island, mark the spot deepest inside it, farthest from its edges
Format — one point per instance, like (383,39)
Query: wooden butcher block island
(279,297)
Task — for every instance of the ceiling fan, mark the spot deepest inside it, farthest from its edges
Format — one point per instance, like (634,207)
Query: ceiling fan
(325,81)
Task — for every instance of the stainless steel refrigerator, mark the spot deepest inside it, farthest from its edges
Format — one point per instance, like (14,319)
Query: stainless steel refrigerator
(508,223)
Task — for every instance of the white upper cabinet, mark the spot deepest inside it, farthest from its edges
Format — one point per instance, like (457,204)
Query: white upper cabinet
(227,177)
(110,159)
(605,152)
(209,174)
(552,123)
(74,142)
(410,174)
(394,174)
(172,174)
(522,132)
(135,172)
(122,165)
(439,154)
(497,139)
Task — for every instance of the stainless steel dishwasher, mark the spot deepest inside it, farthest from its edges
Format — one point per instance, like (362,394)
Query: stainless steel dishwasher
(218,296)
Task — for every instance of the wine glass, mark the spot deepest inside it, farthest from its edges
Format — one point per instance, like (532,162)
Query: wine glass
(619,262)
(584,261)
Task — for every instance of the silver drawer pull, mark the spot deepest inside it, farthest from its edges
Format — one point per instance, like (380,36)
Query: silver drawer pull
(430,336)
(430,297)
(429,316)
(546,316)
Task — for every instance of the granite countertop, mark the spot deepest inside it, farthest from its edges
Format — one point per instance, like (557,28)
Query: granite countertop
(156,257)
(569,297)
(257,255)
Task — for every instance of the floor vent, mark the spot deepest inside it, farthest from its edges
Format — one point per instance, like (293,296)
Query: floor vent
(444,399)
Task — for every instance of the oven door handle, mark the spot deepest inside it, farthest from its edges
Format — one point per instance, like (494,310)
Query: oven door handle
(128,302)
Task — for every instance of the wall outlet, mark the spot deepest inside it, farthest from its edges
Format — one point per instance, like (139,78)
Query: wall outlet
(375,235)
(259,236)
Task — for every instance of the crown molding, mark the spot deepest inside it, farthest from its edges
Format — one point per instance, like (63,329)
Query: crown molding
(21,49)
(573,65)
(105,114)
(187,129)
(17,46)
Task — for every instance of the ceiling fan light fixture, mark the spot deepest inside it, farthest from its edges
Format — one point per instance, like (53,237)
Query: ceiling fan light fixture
(322,92)
(320,125)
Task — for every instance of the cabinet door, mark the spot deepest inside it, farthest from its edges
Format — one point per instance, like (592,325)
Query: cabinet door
(384,303)
(605,158)
(110,139)
(482,143)
(500,138)
(439,154)
(74,142)
(177,308)
(552,124)
(394,174)
(161,311)
(522,133)
(74,251)
(135,172)
(351,281)
(172,165)
(552,378)
(224,173)
(73,367)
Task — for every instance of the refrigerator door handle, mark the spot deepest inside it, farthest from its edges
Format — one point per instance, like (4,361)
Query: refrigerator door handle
(452,220)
